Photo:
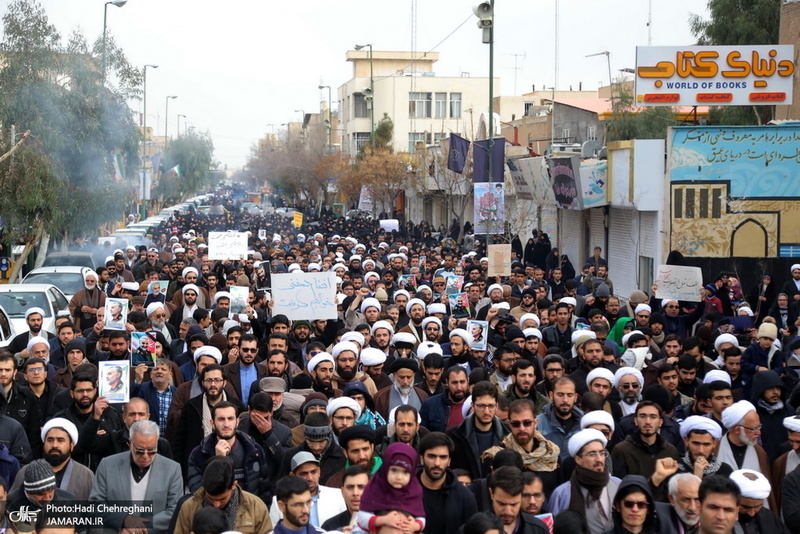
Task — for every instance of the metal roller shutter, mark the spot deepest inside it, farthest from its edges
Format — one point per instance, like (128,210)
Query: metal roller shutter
(622,256)
(572,236)
(597,230)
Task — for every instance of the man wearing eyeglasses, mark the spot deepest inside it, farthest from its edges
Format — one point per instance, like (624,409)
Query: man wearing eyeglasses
(195,418)
(157,314)
(479,432)
(242,373)
(591,489)
(739,448)
(675,322)
(143,475)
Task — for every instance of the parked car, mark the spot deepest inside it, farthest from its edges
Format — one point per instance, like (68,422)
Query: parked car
(67,278)
(285,212)
(74,258)
(358,214)
(16,299)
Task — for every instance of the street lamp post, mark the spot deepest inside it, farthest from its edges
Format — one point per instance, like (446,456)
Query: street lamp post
(143,207)
(144,110)
(552,118)
(118,3)
(166,122)
(371,95)
(330,118)
(179,123)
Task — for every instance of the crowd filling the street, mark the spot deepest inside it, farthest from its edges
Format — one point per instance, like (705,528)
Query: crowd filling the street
(537,401)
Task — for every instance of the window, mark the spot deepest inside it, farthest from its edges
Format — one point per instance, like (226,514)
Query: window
(437,138)
(360,106)
(419,105)
(417,137)
(529,109)
(591,133)
(455,105)
(360,139)
(441,105)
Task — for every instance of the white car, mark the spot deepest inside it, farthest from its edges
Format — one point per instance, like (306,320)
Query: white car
(16,299)
(66,278)
(7,330)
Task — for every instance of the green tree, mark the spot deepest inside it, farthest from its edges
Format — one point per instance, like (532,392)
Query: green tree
(628,122)
(55,90)
(384,132)
(739,22)
(193,154)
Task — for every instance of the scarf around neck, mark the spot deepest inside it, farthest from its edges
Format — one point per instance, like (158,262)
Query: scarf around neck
(544,457)
(231,509)
(593,481)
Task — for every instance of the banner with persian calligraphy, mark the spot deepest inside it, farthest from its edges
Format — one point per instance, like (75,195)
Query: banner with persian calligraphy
(714,75)
(679,283)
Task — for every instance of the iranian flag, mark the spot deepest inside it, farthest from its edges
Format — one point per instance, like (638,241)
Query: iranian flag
(175,172)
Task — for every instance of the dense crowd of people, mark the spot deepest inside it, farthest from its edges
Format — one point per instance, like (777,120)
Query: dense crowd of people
(440,399)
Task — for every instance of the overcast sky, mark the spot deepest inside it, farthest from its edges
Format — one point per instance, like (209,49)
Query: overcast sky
(238,66)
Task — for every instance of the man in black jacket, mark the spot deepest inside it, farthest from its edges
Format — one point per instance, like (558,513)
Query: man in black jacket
(754,517)
(274,437)
(769,397)
(101,443)
(355,479)
(250,466)
(479,431)
(505,490)
(20,402)
(448,503)
(86,406)
(191,428)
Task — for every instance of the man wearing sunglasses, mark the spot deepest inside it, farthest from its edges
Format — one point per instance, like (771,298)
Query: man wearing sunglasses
(139,474)
(629,381)
(675,322)
(244,372)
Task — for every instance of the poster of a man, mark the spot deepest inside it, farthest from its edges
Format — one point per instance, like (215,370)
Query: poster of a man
(116,314)
(156,292)
(143,349)
(114,384)
(478,334)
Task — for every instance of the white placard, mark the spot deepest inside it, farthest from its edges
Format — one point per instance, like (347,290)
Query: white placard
(680,283)
(387,225)
(227,245)
(308,296)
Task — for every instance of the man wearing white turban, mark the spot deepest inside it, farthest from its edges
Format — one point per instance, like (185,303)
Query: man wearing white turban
(754,516)
(701,436)
(788,461)
(739,447)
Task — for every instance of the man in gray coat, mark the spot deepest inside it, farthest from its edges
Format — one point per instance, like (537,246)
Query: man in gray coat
(142,475)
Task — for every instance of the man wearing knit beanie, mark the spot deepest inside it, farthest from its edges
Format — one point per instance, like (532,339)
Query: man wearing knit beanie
(38,488)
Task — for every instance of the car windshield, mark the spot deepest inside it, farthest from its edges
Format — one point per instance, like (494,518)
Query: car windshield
(68,283)
(17,303)
(68,261)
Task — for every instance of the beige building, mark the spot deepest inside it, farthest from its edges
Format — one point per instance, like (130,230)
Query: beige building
(423,106)
(790,34)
